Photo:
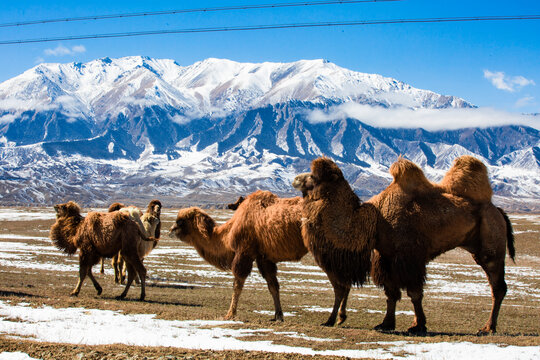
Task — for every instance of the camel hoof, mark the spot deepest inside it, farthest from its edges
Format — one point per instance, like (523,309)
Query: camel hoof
(120,297)
(342,319)
(384,327)
(99,291)
(329,323)
(75,294)
(417,330)
(228,317)
(485,332)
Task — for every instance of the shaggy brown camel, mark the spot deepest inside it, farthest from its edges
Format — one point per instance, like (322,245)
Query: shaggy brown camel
(149,224)
(407,225)
(264,228)
(95,236)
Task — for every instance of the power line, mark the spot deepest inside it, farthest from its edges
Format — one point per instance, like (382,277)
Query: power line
(272,27)
(184,11)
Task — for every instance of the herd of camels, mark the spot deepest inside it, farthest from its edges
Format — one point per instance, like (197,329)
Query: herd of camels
(390,237)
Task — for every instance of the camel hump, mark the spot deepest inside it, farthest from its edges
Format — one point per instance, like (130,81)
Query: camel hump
(468,178)
(263,197)
(409,176)
(323,169)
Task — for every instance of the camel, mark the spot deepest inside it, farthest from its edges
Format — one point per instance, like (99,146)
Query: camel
(95,236)
(149,224)
(397,232)
(264,229)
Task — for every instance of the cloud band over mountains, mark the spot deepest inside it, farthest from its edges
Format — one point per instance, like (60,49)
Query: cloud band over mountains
(428,119)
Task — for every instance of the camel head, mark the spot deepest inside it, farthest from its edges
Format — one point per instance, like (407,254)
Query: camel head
(193,226)
(303,182)
(154,207)
(235,205)
(116,206)
(68,209)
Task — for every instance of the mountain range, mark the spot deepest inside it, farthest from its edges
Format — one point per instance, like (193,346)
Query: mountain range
(137,128)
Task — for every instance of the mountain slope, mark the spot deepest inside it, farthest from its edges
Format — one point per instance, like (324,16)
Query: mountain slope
(138,128)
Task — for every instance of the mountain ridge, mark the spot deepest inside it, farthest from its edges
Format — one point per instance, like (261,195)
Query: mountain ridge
(137,126)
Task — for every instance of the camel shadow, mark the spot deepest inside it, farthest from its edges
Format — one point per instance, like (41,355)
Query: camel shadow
(146,301)
(17,294)
(452,333)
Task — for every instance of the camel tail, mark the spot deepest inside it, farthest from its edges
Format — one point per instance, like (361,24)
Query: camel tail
(509,236)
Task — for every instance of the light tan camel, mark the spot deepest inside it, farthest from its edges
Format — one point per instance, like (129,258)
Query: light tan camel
(264,228)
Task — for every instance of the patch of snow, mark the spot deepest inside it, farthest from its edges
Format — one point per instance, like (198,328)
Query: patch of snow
(103,327)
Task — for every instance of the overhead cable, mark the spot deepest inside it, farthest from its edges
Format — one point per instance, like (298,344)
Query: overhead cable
(272,27)
(184,11)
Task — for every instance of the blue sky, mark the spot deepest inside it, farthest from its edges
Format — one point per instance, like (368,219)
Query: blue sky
(490,64)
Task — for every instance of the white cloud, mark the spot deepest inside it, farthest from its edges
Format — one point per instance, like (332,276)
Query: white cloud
(61,50)
(429,119)
(524,101)
(507,83)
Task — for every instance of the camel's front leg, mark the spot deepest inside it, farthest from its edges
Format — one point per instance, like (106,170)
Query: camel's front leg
(241,268)
(268,270)
(83,271)
(419,324)
(342,314)
(340,300)
(392,297)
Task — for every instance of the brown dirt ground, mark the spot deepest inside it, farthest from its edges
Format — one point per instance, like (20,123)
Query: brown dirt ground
(176,292)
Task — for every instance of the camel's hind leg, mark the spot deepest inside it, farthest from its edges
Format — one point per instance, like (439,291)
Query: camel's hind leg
(490,257)
(241,268)
(341,293)
(94,281)
(393,295)
(495,273)
(134,267)
(102,268)
(268,270)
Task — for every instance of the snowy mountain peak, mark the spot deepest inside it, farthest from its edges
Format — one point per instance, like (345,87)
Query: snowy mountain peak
(105,87)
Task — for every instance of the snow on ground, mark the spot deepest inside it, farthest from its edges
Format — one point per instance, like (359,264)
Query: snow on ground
(15,356)
(102,327)
(24,215)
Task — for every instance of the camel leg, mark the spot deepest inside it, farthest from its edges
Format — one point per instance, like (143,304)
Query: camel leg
(131,276)
(340,293)
(83,271)
(342,314)
(268,270)
(137,269)
(241,268)
(102,269)
(94,281)
(122,268)
(495,274)
(393,295)
(419,323)
(85,264)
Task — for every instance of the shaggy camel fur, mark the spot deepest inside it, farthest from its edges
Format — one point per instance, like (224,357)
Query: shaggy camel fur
(408,224)
(95,236)
(264,228)
(149,224)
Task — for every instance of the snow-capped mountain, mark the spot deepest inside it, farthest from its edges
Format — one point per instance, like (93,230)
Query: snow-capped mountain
(136,128)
